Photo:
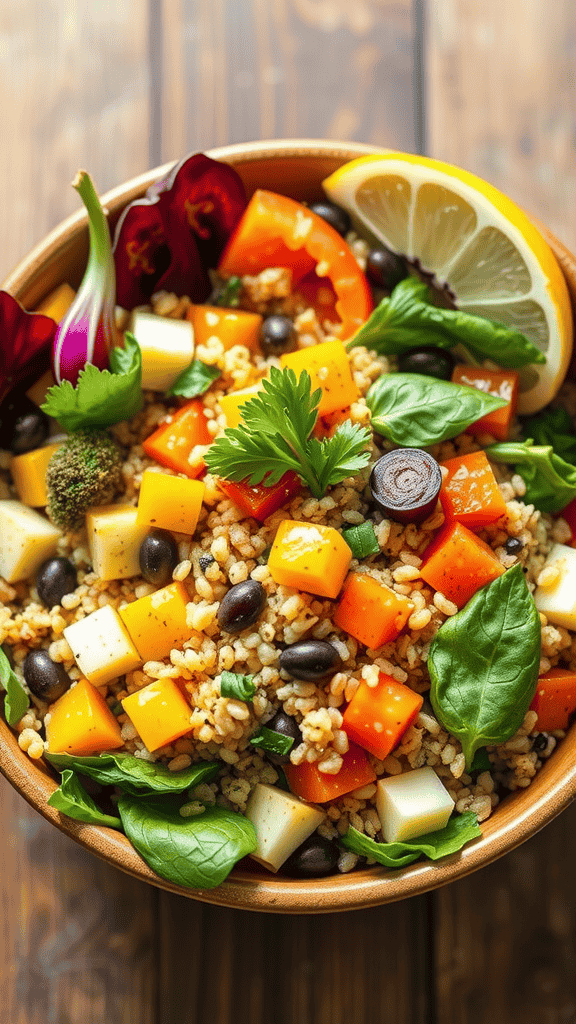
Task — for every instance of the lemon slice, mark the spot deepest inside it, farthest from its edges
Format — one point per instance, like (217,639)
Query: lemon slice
(474,240)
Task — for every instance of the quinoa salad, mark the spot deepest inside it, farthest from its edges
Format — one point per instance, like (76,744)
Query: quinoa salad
(255,556)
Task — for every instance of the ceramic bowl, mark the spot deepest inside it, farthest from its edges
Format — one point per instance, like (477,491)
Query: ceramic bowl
(295,168)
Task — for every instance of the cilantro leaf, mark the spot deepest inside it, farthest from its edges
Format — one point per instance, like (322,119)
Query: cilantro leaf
(361,540)
(195,379)
(16,700)
(240,687)
(100,397)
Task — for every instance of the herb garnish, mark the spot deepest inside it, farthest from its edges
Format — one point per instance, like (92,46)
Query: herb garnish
(550,481)
(553,426)
(194,380)
(459,831)
(272,741)
(16,700)
(228,294)
(361,540)
(240,687)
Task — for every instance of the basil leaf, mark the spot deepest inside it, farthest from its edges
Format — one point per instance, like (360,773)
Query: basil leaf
(134,775)
(72,799)
(16,701)
(416,411)
(237,686)
(459,831)
(481,762)
(550,482)
(553,427)
(194,380)
(229,293)
(197,852)
(361,540)
(484,663)
(272,741)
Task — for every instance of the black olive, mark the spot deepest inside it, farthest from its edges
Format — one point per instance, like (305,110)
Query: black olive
(46,679)
(277,335)
(405,484)
(430,361)
(310,659)
(158,557)
(286,726)
(56,577)
(241,606)
(540,742)
(205,560)
(385,269)
(513,546)
(30,431)
(316,858)
(334,215)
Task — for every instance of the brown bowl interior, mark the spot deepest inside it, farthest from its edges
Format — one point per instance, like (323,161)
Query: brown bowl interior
(296,168)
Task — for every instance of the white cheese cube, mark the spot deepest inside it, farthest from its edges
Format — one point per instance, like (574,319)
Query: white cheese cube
(558,602)
(282,822)
(167,348)
(101,646)
(26,540)
(114,538)
(412,804)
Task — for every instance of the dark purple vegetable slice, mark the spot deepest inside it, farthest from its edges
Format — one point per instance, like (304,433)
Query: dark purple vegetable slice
(25,344)
(405,484)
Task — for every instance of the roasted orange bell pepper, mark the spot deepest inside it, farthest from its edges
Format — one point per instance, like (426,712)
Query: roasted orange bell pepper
(173,441)
(260,501)
(470,492)
(555,699)
(309,783)
(371,612)
(458,563)
(503,384)
(378,716)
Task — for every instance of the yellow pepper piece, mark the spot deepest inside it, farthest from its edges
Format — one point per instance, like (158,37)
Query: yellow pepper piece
(58,302)
(159,713)
(232,403)
(81,723)
(157,623)
(230,326)
(170,502)
(310,558)
(329,369)
(29,475)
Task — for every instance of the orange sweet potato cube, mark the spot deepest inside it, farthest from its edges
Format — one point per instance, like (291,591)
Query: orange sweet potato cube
(378,716)
(371,612)
(502,384)
(230,326)
(159,712)
(470,493)
(458,563)
(81,723)
(309,557)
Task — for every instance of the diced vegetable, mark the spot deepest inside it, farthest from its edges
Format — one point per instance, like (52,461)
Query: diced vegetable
(231,327)
(27,540)
(157,623)
(555,699)
(378,716)
(329,368)
(502,384)
(114,539)
(569,514)
(309,557)
(58,302)
(167,348)
(281,822)
(231,404)
(101,646)
(260,501)
(29,475)
(169,502)
(309,783)
(458,563)
(405,484)
(159,712)
(81,722)
(557,600)
(412,804)
(371,612)
(173,441)
(470,493)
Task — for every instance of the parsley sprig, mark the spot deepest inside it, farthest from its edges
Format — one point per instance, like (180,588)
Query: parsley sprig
(275,437)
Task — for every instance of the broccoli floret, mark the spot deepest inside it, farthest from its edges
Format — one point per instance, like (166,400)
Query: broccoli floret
(86,470)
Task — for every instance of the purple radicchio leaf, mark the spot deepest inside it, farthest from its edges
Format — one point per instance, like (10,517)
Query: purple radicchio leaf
(25,341)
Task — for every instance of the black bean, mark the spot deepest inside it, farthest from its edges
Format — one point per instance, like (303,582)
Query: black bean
(46,679)
(540,742)
(334,215)
(316,858)
(56,577)
(513,546)
(310,659)
(286,725)
(277,335)
(241,606)
(205,560)
(405,484)
(158,557)
(385,269)
(430,361)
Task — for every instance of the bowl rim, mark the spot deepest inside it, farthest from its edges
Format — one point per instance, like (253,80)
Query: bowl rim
(517,818)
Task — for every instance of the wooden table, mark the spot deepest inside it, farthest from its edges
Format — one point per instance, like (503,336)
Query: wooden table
(118,86)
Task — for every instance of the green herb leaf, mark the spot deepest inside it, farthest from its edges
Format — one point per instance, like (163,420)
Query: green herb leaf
(72,799)
(229,294)
(272,741)
(402,321)
(550,482)
(194,380)
(361,540)
(484,662)
(459,831)
(197,852)
(16,701)
(275,437)
(237,686)
(100,397)
(133,775)
(416,411)
(481,762)
(553,427)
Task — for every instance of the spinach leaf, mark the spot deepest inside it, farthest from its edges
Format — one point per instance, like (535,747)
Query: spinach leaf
(198,852)
(16,701)
(133,775)
(459,831)
(72,799)
(550,482)
(554,427)
(484,662)
(407,320)
(481,762)
(194,380)
(361,540)
(237,686)
(416,411)
(272,741)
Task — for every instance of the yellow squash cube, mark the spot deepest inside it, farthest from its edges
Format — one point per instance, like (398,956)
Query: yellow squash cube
(58,302)
(29,475)
(157,623)
(114,539)
(329,369)
(159,713)
(231,404)
(170,502)
(310,558)
(230,326)
(81,723)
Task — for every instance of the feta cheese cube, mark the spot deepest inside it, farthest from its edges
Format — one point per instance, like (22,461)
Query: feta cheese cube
(101,646)
(114,538)
(282,822)
(27,539)
(558,601)
(412,804)
(167,348)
